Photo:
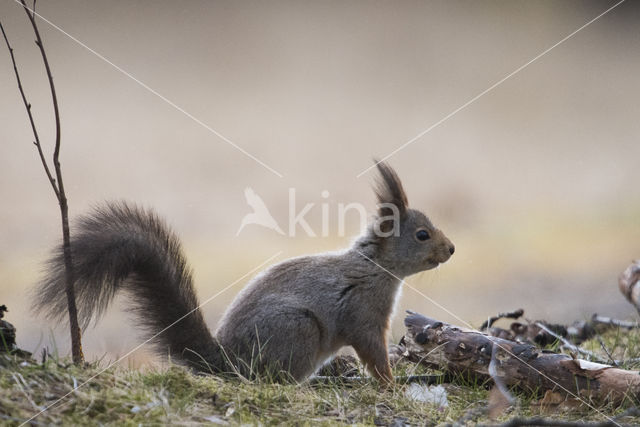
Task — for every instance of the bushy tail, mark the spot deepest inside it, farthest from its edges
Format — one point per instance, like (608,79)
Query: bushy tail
(120,246)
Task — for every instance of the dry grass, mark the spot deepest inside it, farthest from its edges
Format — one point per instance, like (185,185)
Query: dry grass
(46,393)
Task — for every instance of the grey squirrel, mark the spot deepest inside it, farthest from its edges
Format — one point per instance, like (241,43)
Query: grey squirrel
(287,321)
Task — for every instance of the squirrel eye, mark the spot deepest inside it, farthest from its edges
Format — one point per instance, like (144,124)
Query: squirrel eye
(423,235)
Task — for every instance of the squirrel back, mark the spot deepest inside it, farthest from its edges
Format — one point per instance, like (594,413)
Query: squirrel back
(286,322)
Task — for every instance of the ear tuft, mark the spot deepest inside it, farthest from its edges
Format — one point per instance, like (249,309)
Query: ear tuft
(389,190)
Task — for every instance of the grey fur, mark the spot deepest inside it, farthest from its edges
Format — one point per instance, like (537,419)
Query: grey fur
(287,321)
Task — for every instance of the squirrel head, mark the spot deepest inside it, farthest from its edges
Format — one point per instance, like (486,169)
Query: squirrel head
(407,241)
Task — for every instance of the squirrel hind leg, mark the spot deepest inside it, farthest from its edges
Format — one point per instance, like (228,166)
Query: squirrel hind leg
(285,347)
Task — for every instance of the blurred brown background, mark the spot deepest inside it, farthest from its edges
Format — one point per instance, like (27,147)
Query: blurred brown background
(536,182)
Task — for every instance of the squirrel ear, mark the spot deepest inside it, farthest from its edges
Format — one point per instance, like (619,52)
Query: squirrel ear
(389,191)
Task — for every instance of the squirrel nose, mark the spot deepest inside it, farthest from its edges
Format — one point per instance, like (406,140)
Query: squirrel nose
(452,249)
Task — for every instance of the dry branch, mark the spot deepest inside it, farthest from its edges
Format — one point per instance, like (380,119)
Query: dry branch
(469,353)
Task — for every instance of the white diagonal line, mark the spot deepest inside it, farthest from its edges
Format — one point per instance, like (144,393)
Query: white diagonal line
(158,94)
(495,343)
(489,89)
(155,335)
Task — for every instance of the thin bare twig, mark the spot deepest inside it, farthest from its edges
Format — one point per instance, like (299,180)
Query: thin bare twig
(27,105)
(568,345)
(76,340)
(54,97)
(613,361)
(57,183)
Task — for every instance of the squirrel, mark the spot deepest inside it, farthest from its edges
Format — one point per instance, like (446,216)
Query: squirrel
(288,320)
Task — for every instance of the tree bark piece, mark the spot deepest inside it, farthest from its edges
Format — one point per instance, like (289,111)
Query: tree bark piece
(462,351)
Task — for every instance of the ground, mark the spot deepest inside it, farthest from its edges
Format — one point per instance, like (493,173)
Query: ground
(43,393)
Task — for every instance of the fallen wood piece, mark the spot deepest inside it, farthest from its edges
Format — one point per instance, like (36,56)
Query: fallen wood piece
(462,351)
(516,314)
(629,283)
(7,332)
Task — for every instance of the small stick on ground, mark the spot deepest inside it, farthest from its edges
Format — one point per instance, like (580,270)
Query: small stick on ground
(516,314)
